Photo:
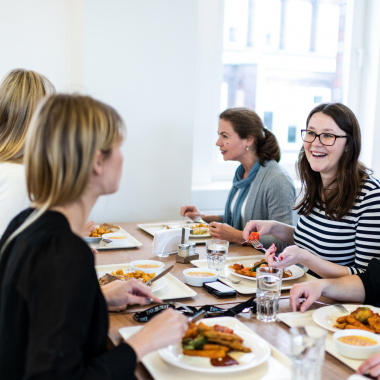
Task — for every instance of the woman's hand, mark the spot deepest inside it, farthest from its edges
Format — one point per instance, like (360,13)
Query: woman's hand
(263,227)
(88,228)
(290,256)
(190,211)
(120,294)
(166,328)
(372,365)
(309,290)
(224,231)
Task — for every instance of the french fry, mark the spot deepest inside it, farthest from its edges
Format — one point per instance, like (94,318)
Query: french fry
(212,354)
(359,328)
(215,347)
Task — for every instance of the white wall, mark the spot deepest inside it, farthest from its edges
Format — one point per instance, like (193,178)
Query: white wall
(140,57)
(34,35)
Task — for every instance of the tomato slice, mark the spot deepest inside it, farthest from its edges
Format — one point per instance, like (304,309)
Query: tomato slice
(253,236)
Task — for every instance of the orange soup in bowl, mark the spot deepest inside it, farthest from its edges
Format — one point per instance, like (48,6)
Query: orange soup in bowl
(118,237)
(200,274)
(356,340)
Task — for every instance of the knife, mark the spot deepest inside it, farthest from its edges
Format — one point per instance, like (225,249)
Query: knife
(160,275)
(197,316)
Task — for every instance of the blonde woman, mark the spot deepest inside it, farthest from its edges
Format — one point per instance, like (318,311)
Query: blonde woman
(53,315)
(20,92)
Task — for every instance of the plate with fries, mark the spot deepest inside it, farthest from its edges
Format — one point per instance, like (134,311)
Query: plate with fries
(249,352)
(156,286)
(327,316)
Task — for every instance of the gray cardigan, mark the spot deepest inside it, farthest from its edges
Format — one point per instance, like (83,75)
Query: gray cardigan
(271,197)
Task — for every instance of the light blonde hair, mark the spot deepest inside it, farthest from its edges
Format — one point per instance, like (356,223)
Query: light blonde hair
(63,138)
(20,92)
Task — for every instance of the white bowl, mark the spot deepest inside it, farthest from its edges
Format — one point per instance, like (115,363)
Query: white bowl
(198,281)
(157,271)
(116,242)
(356,352)
(92,240)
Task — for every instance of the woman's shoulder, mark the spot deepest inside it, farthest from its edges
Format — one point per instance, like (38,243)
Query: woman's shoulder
(275,173)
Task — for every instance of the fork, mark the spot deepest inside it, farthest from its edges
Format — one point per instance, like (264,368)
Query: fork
(257,245)
(233,281)
(341,308)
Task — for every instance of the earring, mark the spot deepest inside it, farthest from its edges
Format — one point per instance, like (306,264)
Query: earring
(247,147)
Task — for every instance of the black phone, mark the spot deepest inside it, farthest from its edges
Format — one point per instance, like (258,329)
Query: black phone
(219,290)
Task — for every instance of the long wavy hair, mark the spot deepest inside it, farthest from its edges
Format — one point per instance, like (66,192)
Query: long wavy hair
(20,93)
(340,195)
(247,123)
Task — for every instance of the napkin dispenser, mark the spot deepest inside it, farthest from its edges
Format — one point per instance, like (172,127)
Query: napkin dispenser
(166,242)
(186,252)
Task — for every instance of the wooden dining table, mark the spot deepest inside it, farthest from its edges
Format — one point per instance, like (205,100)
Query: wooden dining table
(275,333)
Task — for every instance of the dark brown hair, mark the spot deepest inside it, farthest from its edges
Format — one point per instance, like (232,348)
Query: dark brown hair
(247,123)
(339,196)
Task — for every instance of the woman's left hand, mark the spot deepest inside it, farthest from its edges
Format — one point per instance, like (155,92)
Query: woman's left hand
(224,231)
(120,294)
(88,228)
(290,256)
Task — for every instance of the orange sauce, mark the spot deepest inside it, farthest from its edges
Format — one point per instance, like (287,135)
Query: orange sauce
(356,340)
(200,274)
(118,237)
(146,266)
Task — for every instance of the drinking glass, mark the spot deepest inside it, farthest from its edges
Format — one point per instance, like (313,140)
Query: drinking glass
(308,352)
(216,253)
(268,293)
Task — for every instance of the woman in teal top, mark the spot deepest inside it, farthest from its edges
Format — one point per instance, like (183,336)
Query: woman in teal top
(260,186)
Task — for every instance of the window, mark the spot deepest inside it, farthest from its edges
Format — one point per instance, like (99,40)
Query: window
(292,130)
(282,59)
(268,120)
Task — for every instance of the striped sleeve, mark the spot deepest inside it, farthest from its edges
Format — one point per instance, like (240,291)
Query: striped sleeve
(367,236)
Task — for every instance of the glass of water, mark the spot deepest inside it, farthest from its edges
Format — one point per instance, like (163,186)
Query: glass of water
(308,352)
(216,253)
(268,293)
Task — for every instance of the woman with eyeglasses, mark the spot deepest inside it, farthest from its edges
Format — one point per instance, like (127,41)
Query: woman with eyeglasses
(338,232)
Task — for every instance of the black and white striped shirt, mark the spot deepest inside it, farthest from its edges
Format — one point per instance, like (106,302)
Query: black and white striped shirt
(354,240)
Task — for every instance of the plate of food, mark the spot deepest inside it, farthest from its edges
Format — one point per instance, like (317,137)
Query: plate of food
(200,230)
(213,348)
(360,317)
(105,278)
(96,235)
(247,270)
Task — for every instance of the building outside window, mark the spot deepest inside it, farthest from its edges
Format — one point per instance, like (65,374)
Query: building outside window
(281,58)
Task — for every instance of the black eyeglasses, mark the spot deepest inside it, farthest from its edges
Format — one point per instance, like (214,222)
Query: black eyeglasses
(327,139)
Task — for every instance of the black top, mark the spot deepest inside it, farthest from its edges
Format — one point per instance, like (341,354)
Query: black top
(371,282)
(53,316)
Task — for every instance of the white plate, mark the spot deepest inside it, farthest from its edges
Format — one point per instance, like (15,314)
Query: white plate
(173,354)
(296,270)
(157,285)
(326,316)
(131,242)
(199,236)
(247,286)
(174,288)
(277,367)
(151,228)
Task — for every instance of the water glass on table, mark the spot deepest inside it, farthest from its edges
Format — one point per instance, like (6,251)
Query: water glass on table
(268,293)
(308,352)
(216,253)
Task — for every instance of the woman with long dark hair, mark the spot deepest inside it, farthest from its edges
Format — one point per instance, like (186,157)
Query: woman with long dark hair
(261,188)
(338,232)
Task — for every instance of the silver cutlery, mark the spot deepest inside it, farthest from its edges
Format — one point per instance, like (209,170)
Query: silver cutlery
(257,245)
(162,274)
(233,281)
(341,308)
